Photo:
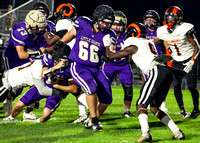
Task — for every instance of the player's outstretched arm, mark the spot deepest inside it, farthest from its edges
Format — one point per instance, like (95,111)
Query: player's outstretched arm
(122,53)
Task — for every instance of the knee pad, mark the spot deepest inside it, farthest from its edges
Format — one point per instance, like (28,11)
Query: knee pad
(128,92)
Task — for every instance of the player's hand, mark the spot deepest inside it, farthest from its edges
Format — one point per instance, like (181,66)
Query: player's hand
(58,45)
(188,66)
(60,64)
(42,49)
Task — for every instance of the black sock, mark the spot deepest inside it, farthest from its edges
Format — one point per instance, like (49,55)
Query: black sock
(95,120)
(29,110)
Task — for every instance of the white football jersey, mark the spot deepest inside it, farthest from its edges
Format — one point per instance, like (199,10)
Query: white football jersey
(66,24)
(143,58)
(25,75)
(180,48)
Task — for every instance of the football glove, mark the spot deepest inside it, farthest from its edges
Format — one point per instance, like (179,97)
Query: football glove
(35,53)
(188,66)
(106,59)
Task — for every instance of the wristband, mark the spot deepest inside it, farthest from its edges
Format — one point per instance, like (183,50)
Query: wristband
(193,59)
(34,53)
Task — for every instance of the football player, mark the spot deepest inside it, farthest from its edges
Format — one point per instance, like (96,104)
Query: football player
(66,14)
(156,87)
(92,36)
(26,42)
(32,95)
(121,66)
(151,21)
(184,48)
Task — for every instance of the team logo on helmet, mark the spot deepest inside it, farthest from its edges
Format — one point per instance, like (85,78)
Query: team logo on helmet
(66,10)
(35,20)
(136,30)
(173,16)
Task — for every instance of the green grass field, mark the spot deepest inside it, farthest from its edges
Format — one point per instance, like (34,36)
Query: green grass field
(116,128)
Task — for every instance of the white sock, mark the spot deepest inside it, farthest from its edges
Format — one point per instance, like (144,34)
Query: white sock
(82,100)
(82,104)
(143,119)
(169,123)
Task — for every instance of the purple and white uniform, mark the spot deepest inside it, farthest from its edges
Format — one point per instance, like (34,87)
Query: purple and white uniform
(152,35)
(19,36)
(86,55)
(32,95)
(119,66)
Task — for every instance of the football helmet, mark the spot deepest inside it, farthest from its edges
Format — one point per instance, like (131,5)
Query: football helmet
(173,16)
(103,17)
(35,20)
(66,10)
(151,14)
(42,7)
(121,19)
(136,30)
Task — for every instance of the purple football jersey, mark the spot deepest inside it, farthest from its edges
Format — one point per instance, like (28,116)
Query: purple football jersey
(89,46)
(118,46)
(48,62)
(153,35)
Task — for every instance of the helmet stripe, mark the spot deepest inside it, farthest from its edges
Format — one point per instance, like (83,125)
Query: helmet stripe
(175,10)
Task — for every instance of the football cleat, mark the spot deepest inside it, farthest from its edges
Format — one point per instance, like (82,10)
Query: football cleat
(194,114)
(128,114)
(87,119)
(32,120)
(184,114)
(80,119)
(163,107)
(29,116)
(179,135)
(7,104)
(9,118)
(145,138)
(97,127)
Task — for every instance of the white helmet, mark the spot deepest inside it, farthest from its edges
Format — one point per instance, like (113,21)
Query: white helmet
(35,20)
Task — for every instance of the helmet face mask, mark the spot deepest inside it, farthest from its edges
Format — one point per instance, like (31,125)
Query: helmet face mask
(35,22)
(103,17)
(120,22)
(173,16)
(151,18)
(104,25)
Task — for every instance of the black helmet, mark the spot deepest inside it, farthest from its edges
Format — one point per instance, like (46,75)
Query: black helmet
(42,7)
(120,18)
(136,30)
(151,14)
(66,11)
(103,13)
(174,13)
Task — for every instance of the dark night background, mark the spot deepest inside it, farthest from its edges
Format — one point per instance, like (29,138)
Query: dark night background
(134,9)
